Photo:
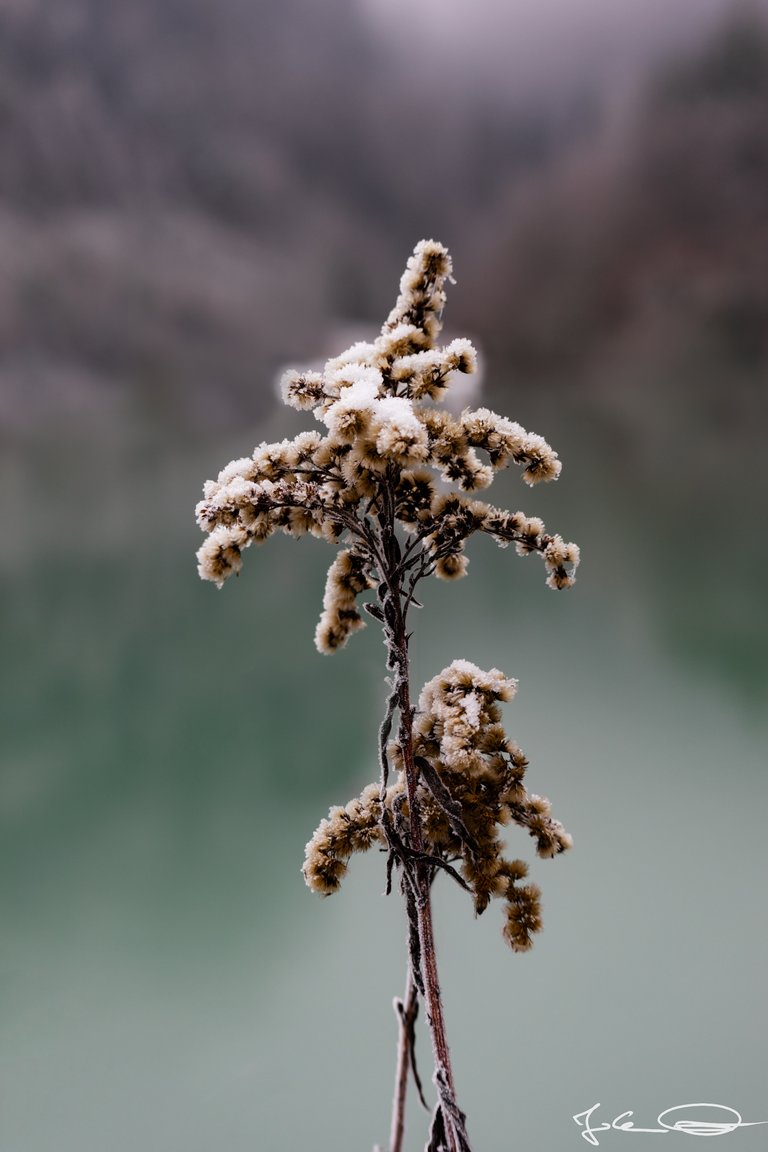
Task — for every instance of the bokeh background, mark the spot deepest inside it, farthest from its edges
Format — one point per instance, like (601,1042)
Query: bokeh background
(193,195)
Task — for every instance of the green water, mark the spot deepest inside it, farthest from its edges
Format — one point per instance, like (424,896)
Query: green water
(167,981)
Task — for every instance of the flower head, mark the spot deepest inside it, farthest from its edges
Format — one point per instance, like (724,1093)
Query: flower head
(471,785)
(385,440)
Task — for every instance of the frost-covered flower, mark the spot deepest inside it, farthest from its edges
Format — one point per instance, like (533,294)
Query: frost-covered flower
(389,478)
(381,460)
(349,417)
(376,403)
(400,435)
(220,556)
(470,786)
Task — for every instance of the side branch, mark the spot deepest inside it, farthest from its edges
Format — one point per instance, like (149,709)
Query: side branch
(406,1010)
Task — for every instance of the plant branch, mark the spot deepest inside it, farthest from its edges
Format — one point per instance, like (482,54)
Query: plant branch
(406,1010)
(421,872)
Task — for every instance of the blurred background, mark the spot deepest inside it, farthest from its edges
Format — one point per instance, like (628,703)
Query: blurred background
(194,195)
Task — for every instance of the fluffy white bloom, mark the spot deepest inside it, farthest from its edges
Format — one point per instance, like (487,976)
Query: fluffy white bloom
(398,412)
(219,555)
(360,353)
(556,555)
(352,412)
(493,683)
(421,298)
(302,390)
(399,432)
(543,461)
(463,353)
(236,468)
(399,341)
(348,375)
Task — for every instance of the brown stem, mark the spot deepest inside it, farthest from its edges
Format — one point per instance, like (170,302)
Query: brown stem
(423,877)
(394,604)
(406,1012)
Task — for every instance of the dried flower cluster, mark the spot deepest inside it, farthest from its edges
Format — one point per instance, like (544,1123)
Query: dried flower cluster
(470,785)
(385,444)
(391,477)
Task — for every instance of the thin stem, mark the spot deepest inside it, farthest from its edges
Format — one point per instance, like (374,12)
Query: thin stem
(407,1010)
(423,879)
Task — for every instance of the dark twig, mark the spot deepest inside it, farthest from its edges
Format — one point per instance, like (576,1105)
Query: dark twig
(407,1011)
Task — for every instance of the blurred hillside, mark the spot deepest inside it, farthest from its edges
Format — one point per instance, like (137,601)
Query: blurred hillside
(189,191)
(153,181)
(634,252)
(628,287)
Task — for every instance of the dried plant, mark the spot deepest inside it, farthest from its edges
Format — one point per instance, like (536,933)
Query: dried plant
(378,480)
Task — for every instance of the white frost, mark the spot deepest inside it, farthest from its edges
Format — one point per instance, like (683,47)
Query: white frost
(398,412)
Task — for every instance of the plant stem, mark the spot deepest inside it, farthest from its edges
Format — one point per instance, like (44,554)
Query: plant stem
(395,601)
(407,1010)
(423,880)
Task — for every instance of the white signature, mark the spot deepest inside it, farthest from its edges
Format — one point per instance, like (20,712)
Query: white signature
(691,1126)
